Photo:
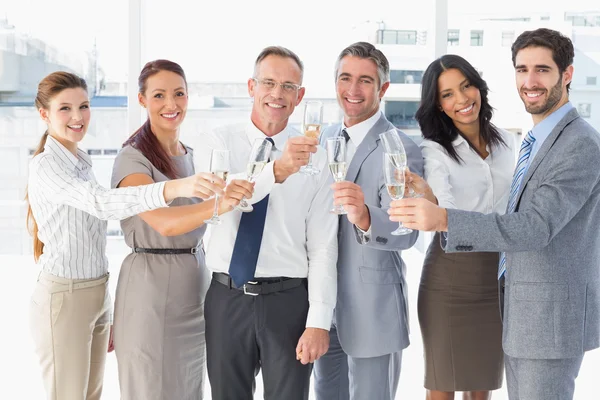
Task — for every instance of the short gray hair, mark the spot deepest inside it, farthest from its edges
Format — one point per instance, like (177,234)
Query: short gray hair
(281,52)
(366,50)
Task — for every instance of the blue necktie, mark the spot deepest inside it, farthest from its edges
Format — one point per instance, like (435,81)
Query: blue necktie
(520,169)
(247,242)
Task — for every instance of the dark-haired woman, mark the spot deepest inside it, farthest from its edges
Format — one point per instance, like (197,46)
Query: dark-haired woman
(469,164)
(159,320)
(70,307)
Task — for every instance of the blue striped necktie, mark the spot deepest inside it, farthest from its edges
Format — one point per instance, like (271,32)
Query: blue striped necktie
(247,242)
(520,169)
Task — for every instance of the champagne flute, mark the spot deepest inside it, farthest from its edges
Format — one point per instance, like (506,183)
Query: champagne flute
(336,157)
(392,144)
(259,156)
(313,118)
(395,180)
(219,166)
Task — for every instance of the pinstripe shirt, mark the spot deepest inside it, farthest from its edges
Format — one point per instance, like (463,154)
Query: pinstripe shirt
(71,210)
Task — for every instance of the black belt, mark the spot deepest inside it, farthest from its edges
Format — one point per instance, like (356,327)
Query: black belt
(193,250)
(261,285)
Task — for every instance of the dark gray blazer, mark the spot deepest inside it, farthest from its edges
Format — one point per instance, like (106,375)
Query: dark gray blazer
(372,308)
(552,240)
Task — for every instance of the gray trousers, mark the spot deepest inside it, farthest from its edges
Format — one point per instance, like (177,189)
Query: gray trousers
(247,333)
(529,379)
(338,376)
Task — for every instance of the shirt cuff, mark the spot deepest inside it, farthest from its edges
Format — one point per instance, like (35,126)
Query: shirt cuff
(444,240)
(320,316)
(155,195)
(364,236)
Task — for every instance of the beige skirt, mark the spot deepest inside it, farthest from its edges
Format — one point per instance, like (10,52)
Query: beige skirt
(459,315)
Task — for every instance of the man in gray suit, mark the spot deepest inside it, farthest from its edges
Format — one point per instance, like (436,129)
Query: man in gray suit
(550,273)
(370,326)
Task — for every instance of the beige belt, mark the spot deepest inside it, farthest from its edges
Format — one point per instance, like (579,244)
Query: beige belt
(56,284)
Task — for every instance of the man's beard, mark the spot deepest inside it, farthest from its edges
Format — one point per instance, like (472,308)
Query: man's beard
(554,96)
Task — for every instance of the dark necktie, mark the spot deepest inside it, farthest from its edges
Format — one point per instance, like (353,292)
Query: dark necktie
(247,242)
(345,134)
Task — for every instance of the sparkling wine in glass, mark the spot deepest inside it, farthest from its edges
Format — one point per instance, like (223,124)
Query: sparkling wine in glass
(395,180)
(259,156)
(336,157)
(313,118)
(392,144)
(219,166)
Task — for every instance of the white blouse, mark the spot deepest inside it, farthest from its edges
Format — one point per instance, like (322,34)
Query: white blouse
(70,208)
(475,184)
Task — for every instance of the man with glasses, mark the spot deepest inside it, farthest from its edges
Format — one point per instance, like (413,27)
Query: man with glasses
(370,327)
(271,299)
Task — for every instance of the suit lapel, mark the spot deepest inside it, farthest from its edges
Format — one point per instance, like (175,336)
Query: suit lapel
(548,143)
(369,143)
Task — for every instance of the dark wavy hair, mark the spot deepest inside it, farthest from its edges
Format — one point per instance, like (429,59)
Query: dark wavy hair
(144,139)
(435,124)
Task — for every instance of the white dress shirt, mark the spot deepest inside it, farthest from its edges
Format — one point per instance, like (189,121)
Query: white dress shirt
(69,208)
(475,184)
(357,134)
(300,235)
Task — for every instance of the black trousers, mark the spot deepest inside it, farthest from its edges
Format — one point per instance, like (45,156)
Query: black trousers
(247,333)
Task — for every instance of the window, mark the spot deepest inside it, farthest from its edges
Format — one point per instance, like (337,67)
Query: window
(583,18)
(476,38)
(591,80)
(584,109)
(507,38)
(404,76)
(402,113)
(407,37)
(396,37)
(30,49)
(388,37)
(453,37)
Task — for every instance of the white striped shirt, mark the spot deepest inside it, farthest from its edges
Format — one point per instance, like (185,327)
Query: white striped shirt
(71,210)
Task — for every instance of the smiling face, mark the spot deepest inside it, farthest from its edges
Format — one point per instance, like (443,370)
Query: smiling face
(358,89)
(272,107)
(68,117)
(542,87)
(166,99)
(459,99)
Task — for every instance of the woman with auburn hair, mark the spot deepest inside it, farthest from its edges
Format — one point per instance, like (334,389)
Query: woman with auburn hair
(469,164)
(70,308)
(159,317)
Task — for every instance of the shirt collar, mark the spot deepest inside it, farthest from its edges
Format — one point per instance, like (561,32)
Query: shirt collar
(359,131)
(252,132)
(459,140)
(81,161)
(543,129)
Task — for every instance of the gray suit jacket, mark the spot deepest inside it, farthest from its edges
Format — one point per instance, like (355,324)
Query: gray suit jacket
(372,309)
(552,240)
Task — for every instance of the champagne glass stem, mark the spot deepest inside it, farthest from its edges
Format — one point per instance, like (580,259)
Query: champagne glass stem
(243,202)
(216,208)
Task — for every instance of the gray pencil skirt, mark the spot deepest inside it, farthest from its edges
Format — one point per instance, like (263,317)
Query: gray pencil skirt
(460,320)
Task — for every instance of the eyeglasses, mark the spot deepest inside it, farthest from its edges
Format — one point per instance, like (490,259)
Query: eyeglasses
(271,85)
